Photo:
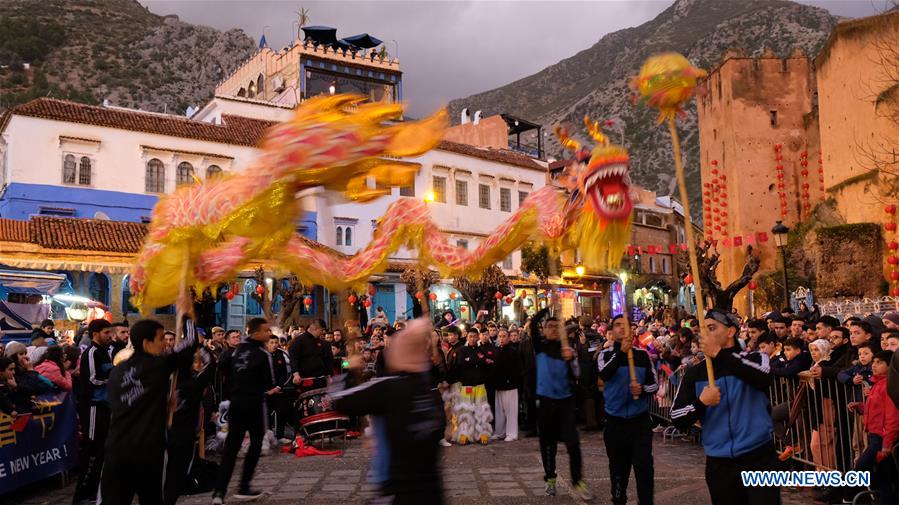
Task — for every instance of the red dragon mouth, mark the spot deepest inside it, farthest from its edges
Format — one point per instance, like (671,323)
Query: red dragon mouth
(608,190)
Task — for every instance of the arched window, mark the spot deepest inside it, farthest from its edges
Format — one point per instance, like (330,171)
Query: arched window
(260,85)
(339,235)
(98,288)
(68,170)
(242,92)
(185,173)
(349,236)
(84,171)
(155,179)
(213,171)
(127,308)
(251,90)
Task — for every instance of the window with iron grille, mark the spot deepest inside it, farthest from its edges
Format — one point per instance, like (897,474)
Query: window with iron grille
(213,171)
(521,197)
(407,191)
(155,177)
(84,171)
(505,199)
(461,193)
(68,169)
(185,173)
(462,243)
(339,240)
(484,196)
(507,262)
(439,189)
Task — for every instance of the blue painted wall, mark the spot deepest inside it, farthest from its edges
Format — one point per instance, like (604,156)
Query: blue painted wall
(21,201)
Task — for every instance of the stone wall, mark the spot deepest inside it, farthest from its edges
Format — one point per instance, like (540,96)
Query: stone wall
(848,261)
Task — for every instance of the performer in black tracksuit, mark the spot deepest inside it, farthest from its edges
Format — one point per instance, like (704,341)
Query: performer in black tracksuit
(251,379)
(737,431)
(138,393)
(628,431)
(194,377)
(93,409)
(411,411)
(280,405)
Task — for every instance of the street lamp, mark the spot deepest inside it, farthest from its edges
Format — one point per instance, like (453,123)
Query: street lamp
(780,232)
(580,270)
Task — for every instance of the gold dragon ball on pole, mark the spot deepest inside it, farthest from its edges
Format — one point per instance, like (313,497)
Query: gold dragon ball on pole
(667,81)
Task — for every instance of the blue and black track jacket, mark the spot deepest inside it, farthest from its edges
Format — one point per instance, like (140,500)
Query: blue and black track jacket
(613,370)
(742,421)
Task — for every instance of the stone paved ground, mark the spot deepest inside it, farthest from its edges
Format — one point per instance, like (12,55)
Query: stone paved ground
(500,473)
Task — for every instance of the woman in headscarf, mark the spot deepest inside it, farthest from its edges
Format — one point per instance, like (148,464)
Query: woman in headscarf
(821,409)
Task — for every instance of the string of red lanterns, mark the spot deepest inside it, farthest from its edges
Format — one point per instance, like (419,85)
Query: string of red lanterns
(707,205)
(781,176)
(806,194)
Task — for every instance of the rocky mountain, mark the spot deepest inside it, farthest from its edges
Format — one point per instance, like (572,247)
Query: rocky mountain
(595,80)
(93,50)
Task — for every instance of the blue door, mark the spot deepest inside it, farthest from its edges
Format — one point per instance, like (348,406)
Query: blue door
(386,298)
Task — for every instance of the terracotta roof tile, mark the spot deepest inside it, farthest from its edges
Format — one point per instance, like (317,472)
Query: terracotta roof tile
(236,130)
(87,234)
(14,231)
(497,155)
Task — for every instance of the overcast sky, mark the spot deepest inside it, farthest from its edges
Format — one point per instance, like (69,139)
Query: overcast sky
(452,49)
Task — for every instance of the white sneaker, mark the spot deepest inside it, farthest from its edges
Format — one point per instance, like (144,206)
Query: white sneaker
(284,441)
(444,443)
(510,438)
(497,437)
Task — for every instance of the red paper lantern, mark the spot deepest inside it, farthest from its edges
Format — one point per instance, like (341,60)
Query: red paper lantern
(497,295)
(894,275)
(752,285)
(508,299)
(688,280)
(229,296)
(714,171)
(890,209)
(804,173)
(891,226)
(352,299)
(307,301)
(433,297)
(367,303)
(260,289)
(371,289)
(892,260)
(895,291)
(893,245)
(418,295)
(463,309)
(804,154)
(452,296)
(714,162)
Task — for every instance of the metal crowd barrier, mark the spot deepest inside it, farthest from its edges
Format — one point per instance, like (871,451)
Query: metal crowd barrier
(810,415)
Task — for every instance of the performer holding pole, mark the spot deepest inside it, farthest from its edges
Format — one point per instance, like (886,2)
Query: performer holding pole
(666,81)
(628,431)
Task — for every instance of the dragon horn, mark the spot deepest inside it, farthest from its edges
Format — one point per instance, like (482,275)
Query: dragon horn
(595,132)
(566,141)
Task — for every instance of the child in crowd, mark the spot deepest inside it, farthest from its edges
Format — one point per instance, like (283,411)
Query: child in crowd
(860,372)
(882,427)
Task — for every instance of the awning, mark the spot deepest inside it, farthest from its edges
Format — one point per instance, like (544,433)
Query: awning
(30,282)
(363,41)
(589,293)
(321,34)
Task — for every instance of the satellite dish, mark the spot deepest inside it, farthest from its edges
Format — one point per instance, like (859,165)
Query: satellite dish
(101,216)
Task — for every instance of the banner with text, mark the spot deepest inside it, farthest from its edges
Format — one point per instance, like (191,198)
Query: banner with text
(38,445)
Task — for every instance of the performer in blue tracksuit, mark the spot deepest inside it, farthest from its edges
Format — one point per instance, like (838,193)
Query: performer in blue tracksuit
(737,432)
(628,431)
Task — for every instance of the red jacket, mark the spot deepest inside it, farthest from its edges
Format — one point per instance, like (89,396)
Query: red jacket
(881,415)
(50,370)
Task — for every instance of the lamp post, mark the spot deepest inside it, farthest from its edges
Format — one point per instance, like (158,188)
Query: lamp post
(780,232)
